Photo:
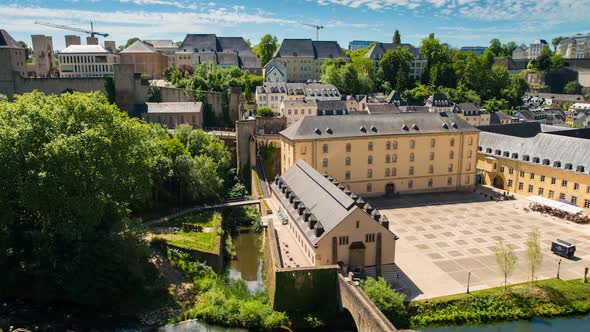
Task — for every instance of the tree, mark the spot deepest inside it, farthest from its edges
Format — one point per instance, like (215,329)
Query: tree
(555,42)
(418,94)
(495,47)
(508,48)
(265,112)
(28,50)
(127,44)
(572,87)
(346,77)
(557,61)
(515,90)
(436,54)
(533,254)
(397,39)
(266,48)
(390,302)
(494,105)
(394,68)
(506,260)
(543,61)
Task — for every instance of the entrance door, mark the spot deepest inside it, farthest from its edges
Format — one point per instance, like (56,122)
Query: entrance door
(389,188)
(498,182)
(357,256)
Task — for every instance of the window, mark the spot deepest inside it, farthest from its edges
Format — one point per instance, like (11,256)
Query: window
(553,180)
(511,171)
(502,169)
(369,173)
(358,223)
(532,176)
(587,203)
(347,161)
(530,188)
(387,159)
(347,147)
(370,146)
(429,182)
(576,186)
(369,187)
(449,180)
(432,142)
(370,237)
(561,195)
(394,158)
(325,162)
(451,154)
(303,149)
(521,173)
(370,160)
(347,175)
(510,182)
(468,167)
(393,171)
(411,170)
(431,155)
(395,145)
(574,200)
(412,144)
(542,178)
(343,240)
(410,184)
(564,183)
(452,142)
(470,140)
(387,172)
(520,186)
(450,167)
(467,179)
(325,148)
(430,169)
(388,145)
(412,156)
(551,193)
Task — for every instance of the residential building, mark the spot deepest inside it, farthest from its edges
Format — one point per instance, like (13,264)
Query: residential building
(146,59)
(224,52)
(576,47)
(382,108)
(580,107)
(532,51)
(416,66)
(476,50)
(578,119)
(537,99)
(499,118)
(332,225)
(352,104)
(304,58)
(86,61)
(12,57)
(359,44)
(530,115)
(439,102)
(380,154)
(472,113)
(73,40)
(546,165)
(174,114)
(275,71)
(294,110)
(166,47)
(43,54)
(271,94)
(331,107)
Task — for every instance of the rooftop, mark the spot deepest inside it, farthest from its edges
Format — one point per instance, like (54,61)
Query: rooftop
(139,47)
(6,40)
(377,51)
(309,48)
(90,49)
(161,43)
(368,125)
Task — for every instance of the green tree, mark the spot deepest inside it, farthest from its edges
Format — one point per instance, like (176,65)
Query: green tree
(508,48)
(533,253)
(28,50)
(346,77)
(436,54)
(572,87)
(418,94)
(127,44)
(390,302)
(515,90)
(266,48)
(506,260)
(495,47)
(494,105)
(394,68)
(397,39)
(543,61)
(265,112)
(557,61)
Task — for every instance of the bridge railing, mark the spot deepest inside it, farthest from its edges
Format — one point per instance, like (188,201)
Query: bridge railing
(219,129)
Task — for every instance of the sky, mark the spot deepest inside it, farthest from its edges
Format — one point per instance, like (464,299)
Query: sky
(456,22)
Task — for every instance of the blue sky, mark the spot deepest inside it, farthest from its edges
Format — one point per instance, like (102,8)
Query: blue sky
(457,22)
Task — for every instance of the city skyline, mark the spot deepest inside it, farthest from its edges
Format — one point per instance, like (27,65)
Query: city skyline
(457,22)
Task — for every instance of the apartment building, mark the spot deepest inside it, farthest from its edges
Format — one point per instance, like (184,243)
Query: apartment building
(532,51)
(439,102)
(146,59)
(576,47)
(271,94)
(416,66)
(547,165)
(380,154)
(86,61)
(304,58)
(472,113)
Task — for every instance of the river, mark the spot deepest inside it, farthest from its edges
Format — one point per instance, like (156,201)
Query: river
(248,263)
(569,324)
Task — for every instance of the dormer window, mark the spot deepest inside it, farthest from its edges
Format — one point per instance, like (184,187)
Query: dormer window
(526,157)
(515,155)
(415,127)
(536,160)
(363,129)
(557,164)
(373,129)
(568,166)
(489,150)
(546,162)
(329,131)
(498,152)
(506,154)
(404,127)
(580,169)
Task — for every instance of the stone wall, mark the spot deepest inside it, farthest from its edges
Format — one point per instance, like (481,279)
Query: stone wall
(554,80)
(215,260)
(175,95)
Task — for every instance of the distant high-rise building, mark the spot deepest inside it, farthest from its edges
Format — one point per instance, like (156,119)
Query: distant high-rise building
(477,50)
(359,44)
(73,40)
(44,57)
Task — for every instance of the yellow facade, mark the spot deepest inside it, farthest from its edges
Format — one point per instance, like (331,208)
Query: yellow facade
(303,68)
(528,179)
(476,120)
(405,163)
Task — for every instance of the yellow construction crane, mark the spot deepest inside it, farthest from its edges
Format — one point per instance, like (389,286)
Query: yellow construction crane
(91,32)
(317,29)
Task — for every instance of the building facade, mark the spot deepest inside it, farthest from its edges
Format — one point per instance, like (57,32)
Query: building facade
(546,165)
(86,61)
(166,47)
(174,114)
(383,154)
(576,47)
(44,56)
(416,66)
(304,58)
(271,94)
(532,51)
(12,57)
(472,113)
(275,71)
(332,225)
(145,58)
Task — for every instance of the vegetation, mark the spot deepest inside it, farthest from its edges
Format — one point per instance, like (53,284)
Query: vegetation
(264,111)
(394,69)
(202,219)
(390,302)
(266,48)
(346,77)
(73,169)
(154,94)
(202,241)
(506,260)
(28,50)
(225,302)
(547,298)
(572,87)
(397,39)
(533,253)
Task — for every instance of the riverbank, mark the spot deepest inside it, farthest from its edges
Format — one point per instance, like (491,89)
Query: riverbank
(545,298)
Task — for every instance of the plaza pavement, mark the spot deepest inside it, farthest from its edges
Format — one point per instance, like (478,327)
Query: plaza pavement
(444,236)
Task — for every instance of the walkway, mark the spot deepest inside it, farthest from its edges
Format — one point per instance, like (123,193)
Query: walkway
(199,208)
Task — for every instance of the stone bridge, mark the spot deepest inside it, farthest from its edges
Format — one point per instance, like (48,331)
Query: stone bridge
(366,315)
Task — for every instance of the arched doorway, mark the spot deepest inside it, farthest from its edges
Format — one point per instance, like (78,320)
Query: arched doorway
(498,182)
(389,188)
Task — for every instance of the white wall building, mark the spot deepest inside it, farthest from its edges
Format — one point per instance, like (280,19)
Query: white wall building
(532,51)
(86,61)
(576,47)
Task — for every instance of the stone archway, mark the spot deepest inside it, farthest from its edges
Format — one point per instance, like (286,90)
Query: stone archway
(498,182)
(390,189)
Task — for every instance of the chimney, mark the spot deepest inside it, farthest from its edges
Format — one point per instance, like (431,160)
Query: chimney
(110,45)
(91,40)
(72,40)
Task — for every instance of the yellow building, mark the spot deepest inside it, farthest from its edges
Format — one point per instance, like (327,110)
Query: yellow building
(472,113)
(383,153)
(332,225)
(546,165)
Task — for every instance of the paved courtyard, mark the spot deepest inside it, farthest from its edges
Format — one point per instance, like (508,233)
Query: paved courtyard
(445,236)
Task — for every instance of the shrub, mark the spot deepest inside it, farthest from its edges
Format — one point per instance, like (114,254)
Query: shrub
(265,112)
(390,302)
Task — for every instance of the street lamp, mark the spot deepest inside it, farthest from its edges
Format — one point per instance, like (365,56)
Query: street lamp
(558,267)
(468,280)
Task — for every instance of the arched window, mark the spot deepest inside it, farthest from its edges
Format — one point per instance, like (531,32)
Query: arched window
(451,154)
(395,145)
(394,171)
(387,159)
(325,162)
(369,173)
(412,156)
(394,158)
(347,175)
(388,145)
(431,169)
(370,146)
(347,161)
(411,170)
(369,187)
(370,160)
(348,148)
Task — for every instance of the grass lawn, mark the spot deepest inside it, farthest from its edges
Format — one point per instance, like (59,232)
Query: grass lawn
(546,298)
(204,219)
(193,240)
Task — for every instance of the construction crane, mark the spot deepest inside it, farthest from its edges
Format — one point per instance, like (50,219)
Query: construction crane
(91,32)
(317,29)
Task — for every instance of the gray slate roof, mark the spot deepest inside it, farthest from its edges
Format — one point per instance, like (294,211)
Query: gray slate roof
(181,107)
(468,109)
(139,47)
(555,96)
(567,150)
(309,48)
(331,105)
(228,50)
(6,40)
(375,125)
(161,43)
(311,90)
(377,51)
(382,108)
